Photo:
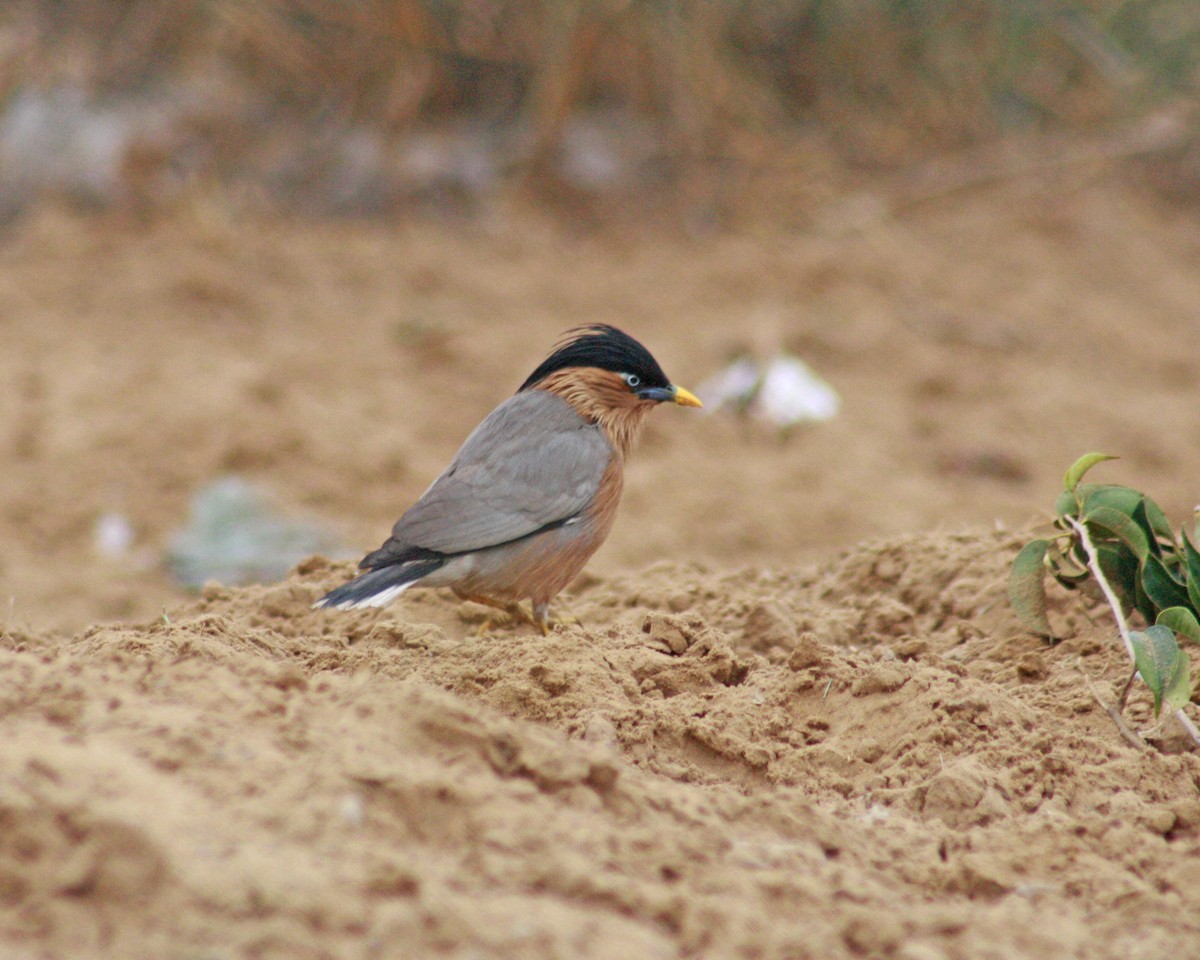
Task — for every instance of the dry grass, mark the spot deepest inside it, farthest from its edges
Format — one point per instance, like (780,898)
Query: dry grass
(260,90)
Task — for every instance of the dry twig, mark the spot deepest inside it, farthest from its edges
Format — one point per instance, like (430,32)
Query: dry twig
(1094,566)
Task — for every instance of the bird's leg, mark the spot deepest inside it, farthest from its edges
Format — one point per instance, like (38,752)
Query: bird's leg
(543,621)
(514,611)
(538,618)
(485,626)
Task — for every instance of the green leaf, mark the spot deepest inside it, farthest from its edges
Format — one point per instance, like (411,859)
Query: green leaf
(1120,568)
(1070,569)
(1076,556)
(1069,580)
(1161,587)
(1081,466)
(1192,555)
(1119,525)
(1160,526)
(1150,518)
(1182,621)
(1143,604)
(1066,505)
(1027,587)
(1191,559)
(1179,685)
(1158,659)
(1093,495)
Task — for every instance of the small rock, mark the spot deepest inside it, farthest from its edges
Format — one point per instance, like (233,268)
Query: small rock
(113,535)
(1031,667)
(352,810)
(880,679)
(770,624)
(872,933)
(910,648)
(666,634)
(234,536)
(808,652)
(783,391)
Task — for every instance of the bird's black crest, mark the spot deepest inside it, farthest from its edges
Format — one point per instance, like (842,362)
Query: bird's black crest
(605,347)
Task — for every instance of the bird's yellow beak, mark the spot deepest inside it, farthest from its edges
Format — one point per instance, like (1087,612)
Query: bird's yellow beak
(685,398)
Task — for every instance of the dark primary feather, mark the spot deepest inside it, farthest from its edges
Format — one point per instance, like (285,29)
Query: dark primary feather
(605,347)
(367,585)
(532,464)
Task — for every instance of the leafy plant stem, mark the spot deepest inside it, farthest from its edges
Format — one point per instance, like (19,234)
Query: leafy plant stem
(1186,722)
(1114,713)
(1125,690)
(1094,565)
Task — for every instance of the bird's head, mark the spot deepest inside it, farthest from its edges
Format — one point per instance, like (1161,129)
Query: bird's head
(608,377)
(604,354)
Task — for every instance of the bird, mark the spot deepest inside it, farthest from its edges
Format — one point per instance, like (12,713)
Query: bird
(533,491)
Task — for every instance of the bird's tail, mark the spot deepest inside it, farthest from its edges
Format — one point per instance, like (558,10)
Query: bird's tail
(379,587)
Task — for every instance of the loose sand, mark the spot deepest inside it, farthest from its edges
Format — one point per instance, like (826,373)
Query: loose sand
(798,721)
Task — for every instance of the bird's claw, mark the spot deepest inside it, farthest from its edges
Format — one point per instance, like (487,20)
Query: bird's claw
(512,615)
(543,621)
(506,615)
(545,624)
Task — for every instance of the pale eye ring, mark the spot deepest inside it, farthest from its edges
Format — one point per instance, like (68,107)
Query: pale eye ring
(632,379)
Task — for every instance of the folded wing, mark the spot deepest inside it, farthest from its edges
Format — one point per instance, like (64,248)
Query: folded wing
(533,464)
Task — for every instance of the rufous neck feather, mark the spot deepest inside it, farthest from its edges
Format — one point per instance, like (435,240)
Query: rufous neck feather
(601,397)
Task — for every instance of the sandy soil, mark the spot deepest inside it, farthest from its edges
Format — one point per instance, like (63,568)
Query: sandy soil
(798,720)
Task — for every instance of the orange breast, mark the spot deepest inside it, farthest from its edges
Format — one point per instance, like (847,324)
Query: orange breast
(539,567)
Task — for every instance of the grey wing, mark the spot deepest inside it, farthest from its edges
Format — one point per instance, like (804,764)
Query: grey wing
(533,462)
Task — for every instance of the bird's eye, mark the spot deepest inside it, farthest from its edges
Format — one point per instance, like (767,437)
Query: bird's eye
(632,379)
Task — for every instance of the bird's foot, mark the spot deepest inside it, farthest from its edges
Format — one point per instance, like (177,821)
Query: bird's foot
(514,614)
(504,617)
(507,614)
(543,621)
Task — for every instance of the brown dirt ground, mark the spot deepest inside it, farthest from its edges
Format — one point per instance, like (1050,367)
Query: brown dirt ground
(800,720)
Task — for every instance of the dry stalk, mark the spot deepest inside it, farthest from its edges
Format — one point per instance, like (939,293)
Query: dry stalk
(1094,566)
(1114,714)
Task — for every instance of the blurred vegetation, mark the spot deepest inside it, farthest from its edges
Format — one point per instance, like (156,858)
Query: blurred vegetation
(886,81)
